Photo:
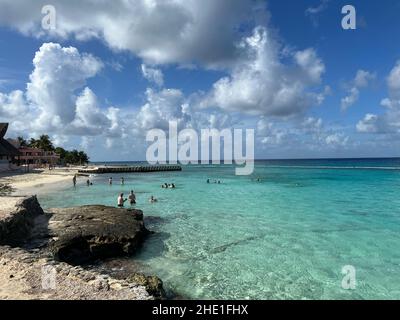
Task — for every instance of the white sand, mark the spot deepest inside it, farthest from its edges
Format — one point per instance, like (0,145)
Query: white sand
(37,182)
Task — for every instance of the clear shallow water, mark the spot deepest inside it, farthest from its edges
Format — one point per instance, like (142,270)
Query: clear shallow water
(286,237)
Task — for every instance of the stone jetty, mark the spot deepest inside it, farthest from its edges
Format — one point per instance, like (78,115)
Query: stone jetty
(129,169)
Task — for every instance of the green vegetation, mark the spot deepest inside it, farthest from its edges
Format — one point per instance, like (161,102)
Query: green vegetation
(44,142)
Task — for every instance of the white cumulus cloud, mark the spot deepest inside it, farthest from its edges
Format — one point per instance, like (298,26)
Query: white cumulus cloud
(153,75)
(158,31)
(260,84)
(361,80)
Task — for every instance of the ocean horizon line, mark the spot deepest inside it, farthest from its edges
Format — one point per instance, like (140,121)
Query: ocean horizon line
(270,159)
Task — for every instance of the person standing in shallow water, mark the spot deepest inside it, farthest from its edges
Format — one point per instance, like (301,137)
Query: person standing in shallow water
(122,181)
(74,180)
(121,201)
(110,181)
(132,198)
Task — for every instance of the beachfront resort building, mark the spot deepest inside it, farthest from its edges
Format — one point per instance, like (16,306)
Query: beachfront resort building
(13,155)
(37,157)
(8,153)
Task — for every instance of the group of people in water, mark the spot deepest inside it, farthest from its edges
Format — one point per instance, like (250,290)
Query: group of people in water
(131,199)
(215,181)
(110,181)
(168,186)
(74,179)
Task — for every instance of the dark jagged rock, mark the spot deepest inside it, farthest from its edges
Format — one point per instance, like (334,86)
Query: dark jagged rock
(153,284)
(17,223)
(85,234)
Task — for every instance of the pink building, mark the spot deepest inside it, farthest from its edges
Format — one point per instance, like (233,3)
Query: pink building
(37,157)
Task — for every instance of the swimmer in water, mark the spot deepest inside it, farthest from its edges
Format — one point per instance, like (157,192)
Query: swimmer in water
(152,199)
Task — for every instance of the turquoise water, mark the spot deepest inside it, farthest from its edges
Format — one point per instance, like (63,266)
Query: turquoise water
(285,237)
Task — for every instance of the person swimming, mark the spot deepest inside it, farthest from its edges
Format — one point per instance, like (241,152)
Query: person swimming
(152,199)
(173,185)
(121,201)
(132,198)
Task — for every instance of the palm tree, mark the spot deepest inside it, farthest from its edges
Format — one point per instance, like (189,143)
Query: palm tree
(22,142)
(33,143)
(83,157)
(45,143)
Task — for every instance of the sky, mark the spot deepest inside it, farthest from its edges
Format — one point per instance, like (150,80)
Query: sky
(109,71)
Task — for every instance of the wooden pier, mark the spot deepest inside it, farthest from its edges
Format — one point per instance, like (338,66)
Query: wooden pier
(131,169)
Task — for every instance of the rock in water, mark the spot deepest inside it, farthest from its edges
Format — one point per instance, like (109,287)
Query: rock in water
(153,284)
(84,234)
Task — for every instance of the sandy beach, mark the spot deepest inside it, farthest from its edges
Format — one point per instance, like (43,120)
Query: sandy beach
(38,181)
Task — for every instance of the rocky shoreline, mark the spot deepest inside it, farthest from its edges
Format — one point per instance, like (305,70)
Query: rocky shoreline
(43,254)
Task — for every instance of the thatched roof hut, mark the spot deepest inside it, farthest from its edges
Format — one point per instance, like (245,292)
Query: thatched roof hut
(6,148)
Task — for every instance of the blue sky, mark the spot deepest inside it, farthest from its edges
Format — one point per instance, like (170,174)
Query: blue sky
(284,68)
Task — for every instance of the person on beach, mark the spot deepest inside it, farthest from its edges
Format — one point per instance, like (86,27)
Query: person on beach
(122,181)
(152,199)
(74,180)
(121,201)
(110,181)
(132,198)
